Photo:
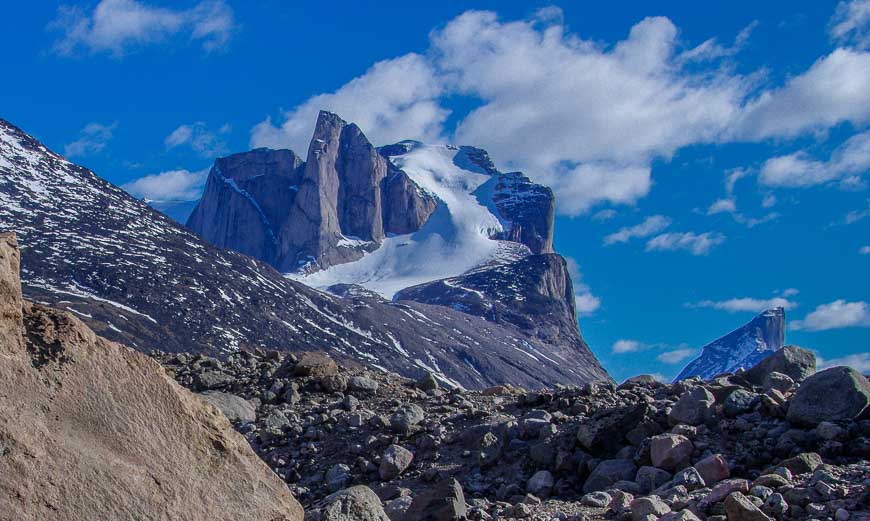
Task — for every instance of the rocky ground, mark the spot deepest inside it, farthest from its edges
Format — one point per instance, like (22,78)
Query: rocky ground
(780,441)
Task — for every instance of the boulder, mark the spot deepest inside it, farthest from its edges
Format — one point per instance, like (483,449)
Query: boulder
(395,460)
(235,408)
(443,502)
(693,408)
(540,484)
(795,362)
(645,506)
(315,364)
(334,383)
(780,382)
(362,384)
(406,417)
(358,503)
(713,469)
(835,394)
(670,451)
(337,477)
(739,402)
(607,473)
(802,463)
(651,478)
(739,508)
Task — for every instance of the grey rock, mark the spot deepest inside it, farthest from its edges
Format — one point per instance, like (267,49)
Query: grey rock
(694,407)
(644,506)
(598,499)
(337,477)
(651,478)
(713,469)
(362,384)
(235,408)
(795,362)
(336,383)
(357,503)
(835,394)
(670,451)
(779,381)
(740,508)
(689,478)
(213,380)
(608,472)
(540,484)
(395,460)
(406,417)
(739,402)
(444,501)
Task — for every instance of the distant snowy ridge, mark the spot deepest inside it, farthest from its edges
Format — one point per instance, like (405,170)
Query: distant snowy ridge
(740,349)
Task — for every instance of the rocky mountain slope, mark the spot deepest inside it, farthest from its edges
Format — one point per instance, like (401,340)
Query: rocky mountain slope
(759,445)
(138,278)
(740,349)
(90,429)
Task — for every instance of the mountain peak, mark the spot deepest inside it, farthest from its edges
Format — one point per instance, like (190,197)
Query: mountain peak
(740,349)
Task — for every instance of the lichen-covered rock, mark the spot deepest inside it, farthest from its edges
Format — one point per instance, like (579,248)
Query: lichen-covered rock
(357,503)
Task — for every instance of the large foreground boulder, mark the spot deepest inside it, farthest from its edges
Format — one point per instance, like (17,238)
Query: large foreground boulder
(835,394)
(94,430)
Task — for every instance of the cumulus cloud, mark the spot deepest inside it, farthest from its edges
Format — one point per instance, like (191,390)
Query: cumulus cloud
(799,170)
(832,91)
(650,226)
(199,138)
(624,345)
(835,315)
(696,244)
(118,26)
(864,250)
(170,186)
(585,117)
(675,356)
(93,139)
(850,23)
(394,100)
(858,361)
(584,301)
(755,305)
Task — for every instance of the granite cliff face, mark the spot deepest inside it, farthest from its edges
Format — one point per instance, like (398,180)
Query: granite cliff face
(93,430)
(136,277)
(337,205)
(740,349)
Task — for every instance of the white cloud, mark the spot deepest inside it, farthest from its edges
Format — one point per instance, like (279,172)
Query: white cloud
(199,138)
(118,26)
(754,305)
(394,100)
(800,170)
(604,215)
(830,92)
(650,226)
(835,315)
(584,301)
(627,346)
(769,201)
(865,250)
(676,356)
(790,292)
(697,244)
(93,139)
(858,361)
(850,23)
(587,118)
(170,186)
(722,205)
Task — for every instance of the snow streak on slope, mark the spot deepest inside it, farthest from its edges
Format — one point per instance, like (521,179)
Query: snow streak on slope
(455,239)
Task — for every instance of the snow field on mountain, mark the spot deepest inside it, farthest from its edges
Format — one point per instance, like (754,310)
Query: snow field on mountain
(455,239)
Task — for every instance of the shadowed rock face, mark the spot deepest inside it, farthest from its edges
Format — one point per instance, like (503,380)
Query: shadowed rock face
(298,216)
(93,430)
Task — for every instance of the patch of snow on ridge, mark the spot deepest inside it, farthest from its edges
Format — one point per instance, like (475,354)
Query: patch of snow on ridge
(454,240)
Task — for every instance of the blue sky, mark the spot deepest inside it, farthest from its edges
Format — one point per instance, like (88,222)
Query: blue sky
(709,160)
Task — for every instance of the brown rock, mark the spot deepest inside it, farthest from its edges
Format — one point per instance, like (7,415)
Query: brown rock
(315,364)
(670,451)
(94,430)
